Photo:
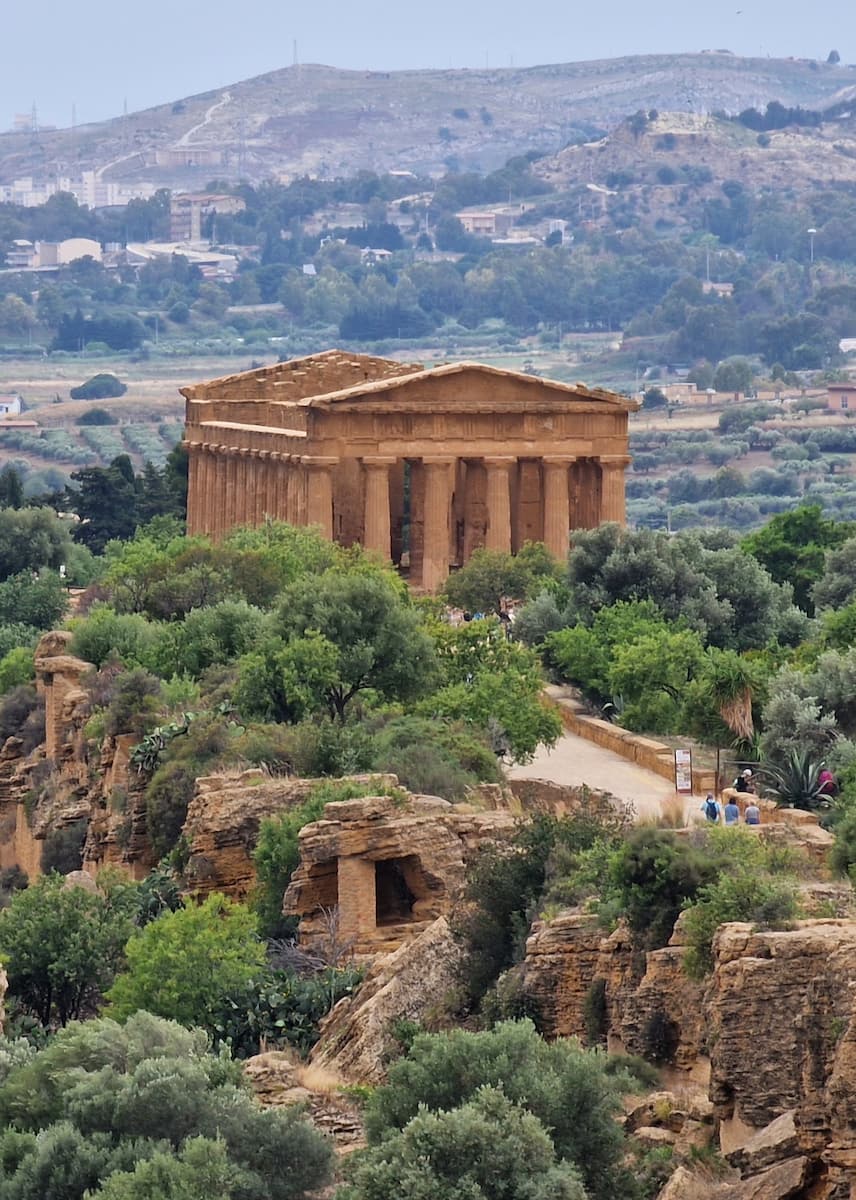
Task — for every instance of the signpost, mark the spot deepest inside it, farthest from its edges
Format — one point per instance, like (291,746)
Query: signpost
(684,772)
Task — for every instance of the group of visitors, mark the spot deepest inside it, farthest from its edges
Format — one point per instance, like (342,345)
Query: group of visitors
(742,794)
(729,813)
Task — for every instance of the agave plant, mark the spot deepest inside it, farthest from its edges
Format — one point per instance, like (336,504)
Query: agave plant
(793,783)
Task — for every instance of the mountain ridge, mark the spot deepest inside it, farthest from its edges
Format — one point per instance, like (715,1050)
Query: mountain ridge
(314,119)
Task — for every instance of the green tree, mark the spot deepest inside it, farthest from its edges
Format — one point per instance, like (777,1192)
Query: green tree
(654,397)
(201,1168)
(374,629)
(106,502)
(100,387)
(652,875)
(837,585)
(39,603)
(489,578)
(183,965)
(11,488)
(487,1148)
(792,547)
(32,538)
(562,1085)
(734,375)
(145,1110)
(62,945)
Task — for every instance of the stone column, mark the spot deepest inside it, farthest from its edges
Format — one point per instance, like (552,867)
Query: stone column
(435,548)
(357,896)
(292,486)
(208,489)
(218,512)
(267,500)
(194,462)
(612,504)
(376,519)
(556,505)
(319,501)
(242,491)
(279,467)
(231,487)
(498,534)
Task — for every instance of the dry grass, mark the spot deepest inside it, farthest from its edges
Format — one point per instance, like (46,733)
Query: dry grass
(672,814)
(318,1080)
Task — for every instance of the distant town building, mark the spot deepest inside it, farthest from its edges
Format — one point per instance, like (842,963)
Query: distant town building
(89,188)
(187,210)
(11,404)
(486,224)
(60,254)
(213,264)
(21,256)
(841,397)
(42,256)
(717,289)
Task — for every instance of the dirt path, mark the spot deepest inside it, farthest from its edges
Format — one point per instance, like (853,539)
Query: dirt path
(575,761)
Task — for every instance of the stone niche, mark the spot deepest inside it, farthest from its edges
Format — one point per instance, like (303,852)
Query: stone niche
(377,871)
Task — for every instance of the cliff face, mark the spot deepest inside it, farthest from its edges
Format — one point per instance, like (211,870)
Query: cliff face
(777,1019)
(646,1001)
(782,1015)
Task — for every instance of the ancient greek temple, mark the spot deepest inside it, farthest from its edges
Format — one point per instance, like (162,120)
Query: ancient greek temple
(421,465)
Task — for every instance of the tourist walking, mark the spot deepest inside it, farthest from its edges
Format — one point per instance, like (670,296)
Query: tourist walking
(712,809)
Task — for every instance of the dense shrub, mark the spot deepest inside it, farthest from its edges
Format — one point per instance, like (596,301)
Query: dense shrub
(652,876)
(100,387)
(562,1085)
(185,964)
(145,1110)
(743,895)
(61,946)
(487,1148)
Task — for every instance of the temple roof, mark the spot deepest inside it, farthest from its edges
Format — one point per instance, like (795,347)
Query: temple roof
(555,390)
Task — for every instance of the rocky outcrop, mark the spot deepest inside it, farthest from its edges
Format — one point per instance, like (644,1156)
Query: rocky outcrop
(581,981)
(384,868)
(781,1008)
(762,1066)
(559,970)
(357,1037)
(280,1082)
(223,820)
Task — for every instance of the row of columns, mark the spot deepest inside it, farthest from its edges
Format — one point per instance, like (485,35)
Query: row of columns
(232,485)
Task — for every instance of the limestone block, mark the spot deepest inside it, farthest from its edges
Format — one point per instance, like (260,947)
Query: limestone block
(355,1037)
(777,1141)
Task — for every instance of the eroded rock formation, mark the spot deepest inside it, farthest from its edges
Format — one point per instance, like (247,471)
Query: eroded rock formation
(358,1037)
(386,866)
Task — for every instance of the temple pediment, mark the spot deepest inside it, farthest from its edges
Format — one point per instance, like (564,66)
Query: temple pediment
(471,386)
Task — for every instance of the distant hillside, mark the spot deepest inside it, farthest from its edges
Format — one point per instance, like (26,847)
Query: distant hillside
(664,168)
(319,120)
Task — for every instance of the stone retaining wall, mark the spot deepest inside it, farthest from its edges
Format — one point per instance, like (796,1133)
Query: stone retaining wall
(645,752)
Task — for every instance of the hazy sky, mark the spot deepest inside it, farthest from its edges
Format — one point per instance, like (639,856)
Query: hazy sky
(96,54)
